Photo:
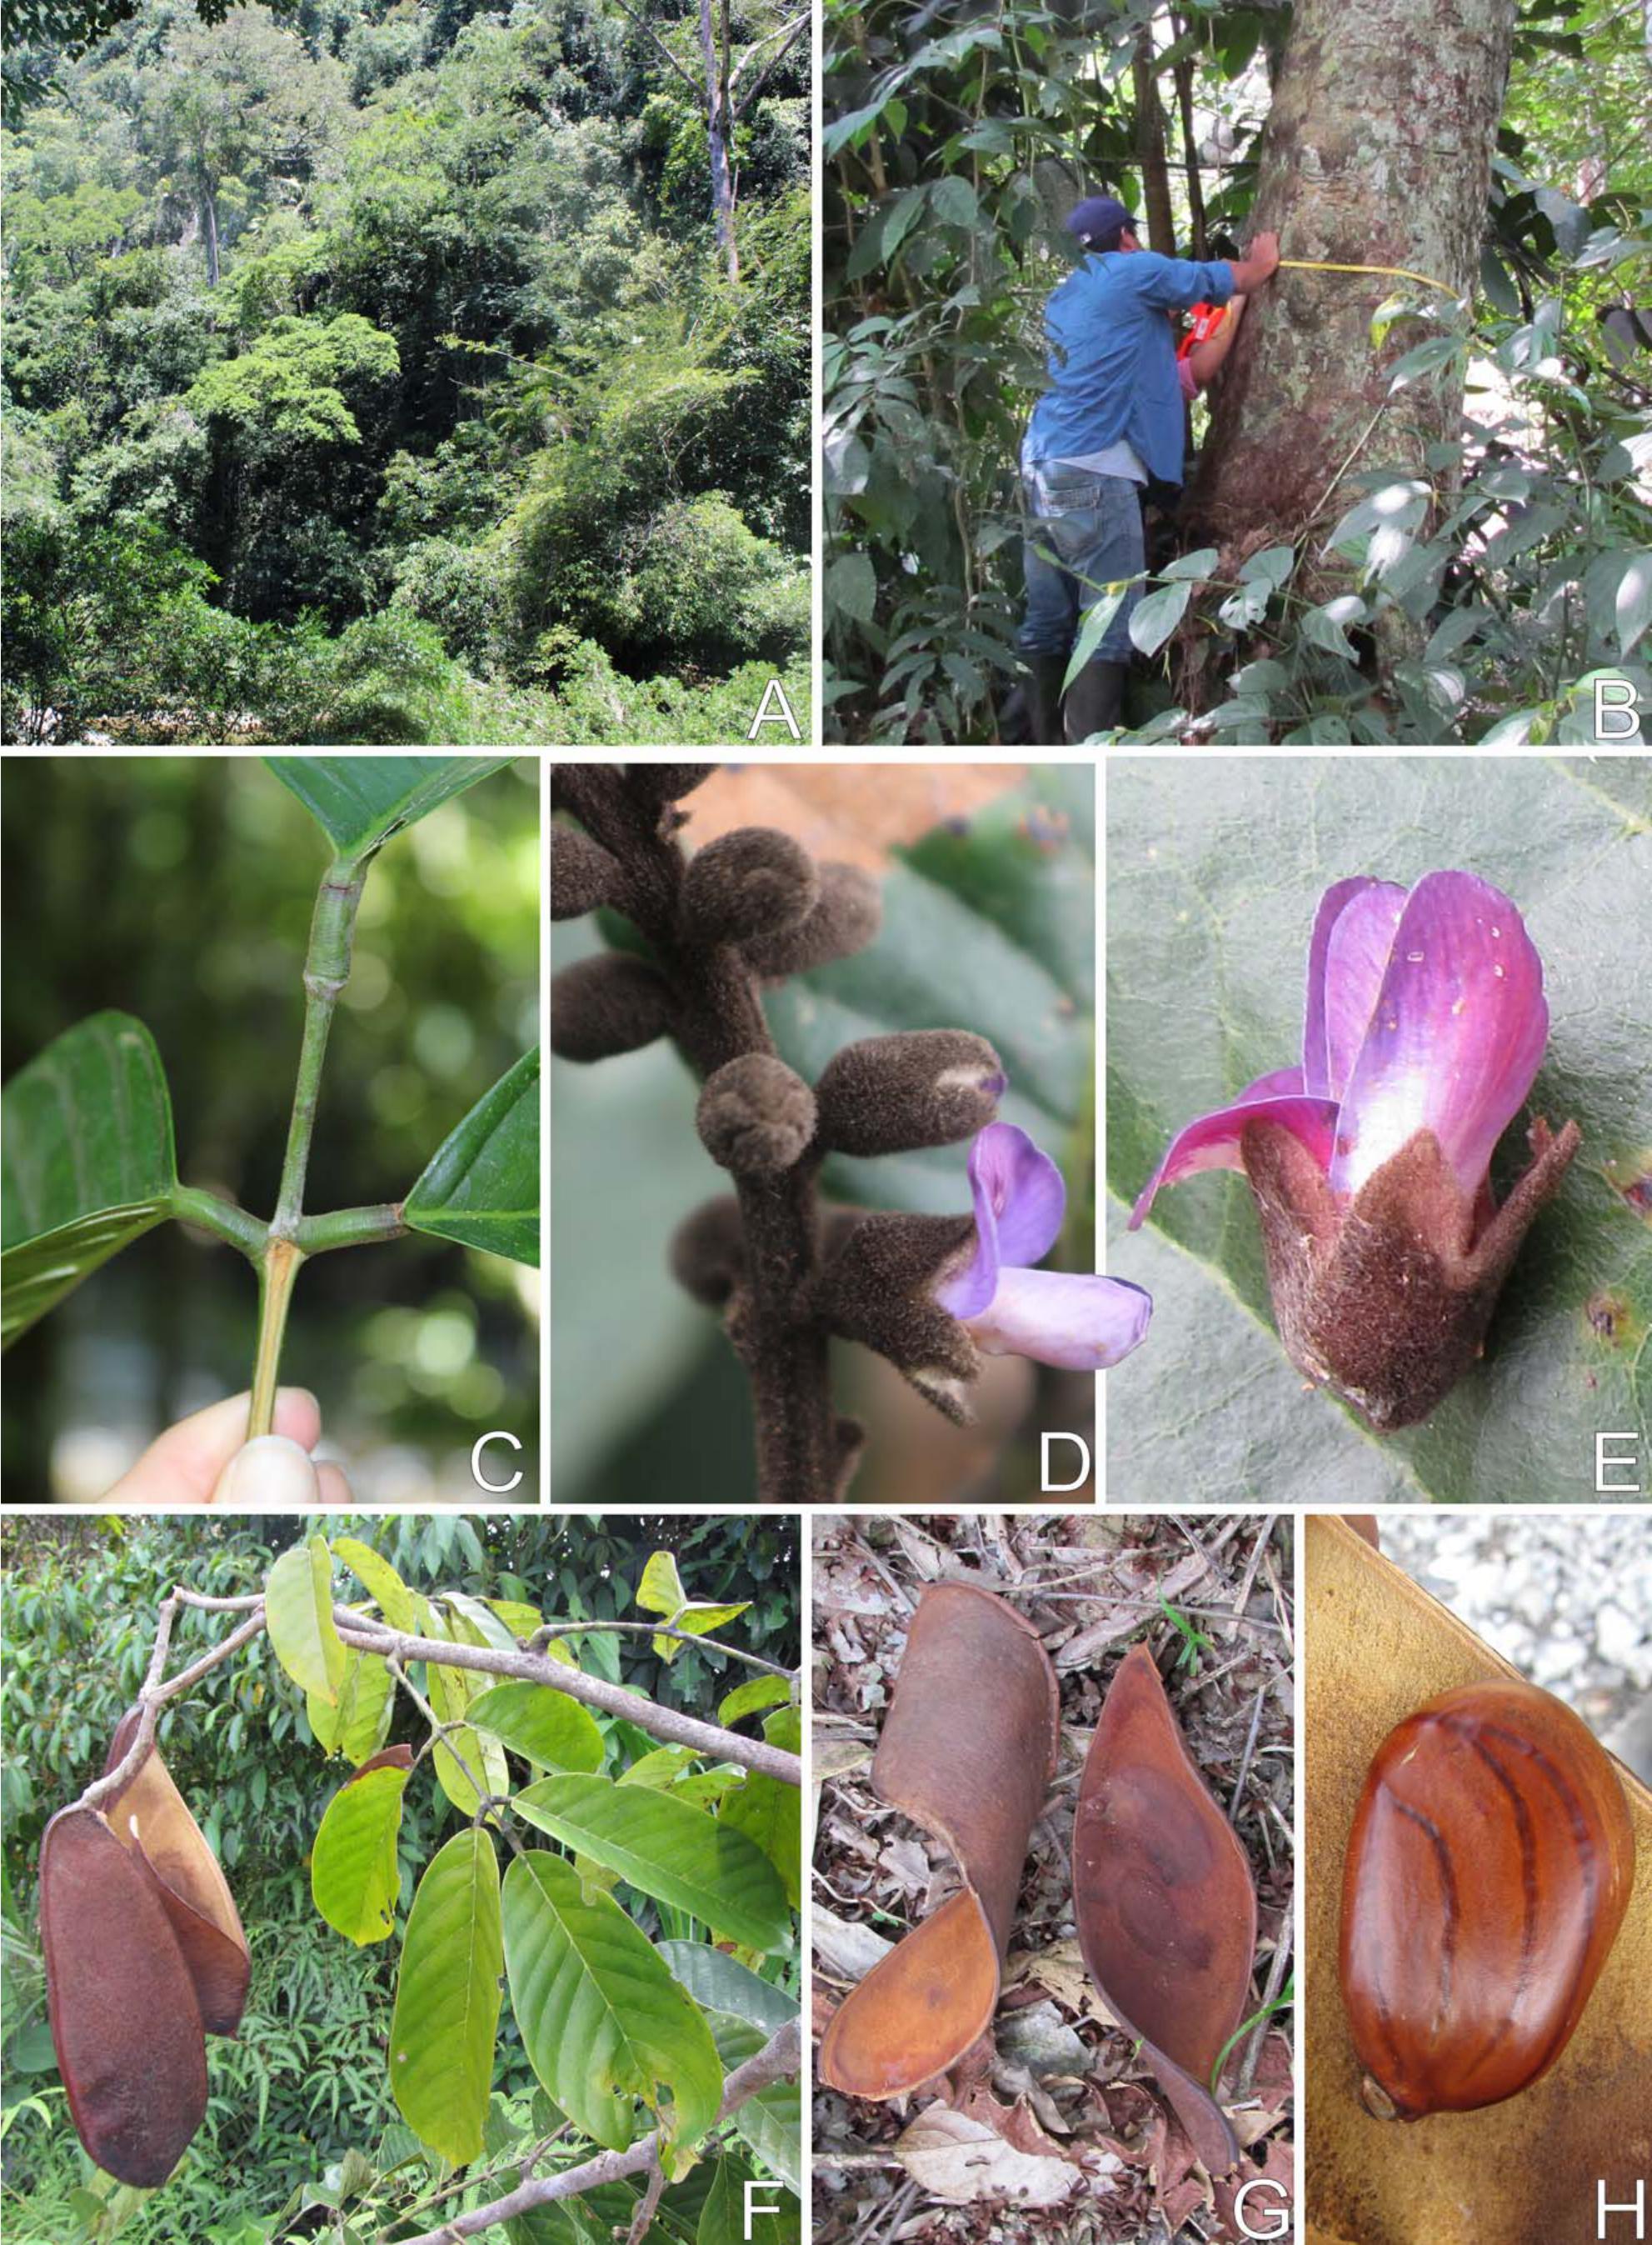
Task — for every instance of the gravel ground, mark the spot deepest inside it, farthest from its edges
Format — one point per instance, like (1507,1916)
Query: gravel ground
(1566,1597)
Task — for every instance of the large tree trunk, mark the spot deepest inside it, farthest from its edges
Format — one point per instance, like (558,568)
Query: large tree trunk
(719,131)
(1150,148)
(1377,151)
(209,218)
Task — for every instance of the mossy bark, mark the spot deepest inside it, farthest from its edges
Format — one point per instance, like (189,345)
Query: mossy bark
(1377,151)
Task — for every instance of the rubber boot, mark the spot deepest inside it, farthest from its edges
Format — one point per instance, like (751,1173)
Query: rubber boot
(1095,700)
(1045,674)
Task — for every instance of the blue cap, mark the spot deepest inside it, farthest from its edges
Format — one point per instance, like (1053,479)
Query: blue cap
(1096,215)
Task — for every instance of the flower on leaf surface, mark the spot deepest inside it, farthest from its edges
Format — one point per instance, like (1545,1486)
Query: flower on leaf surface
(1426,1024)
(1076,1319)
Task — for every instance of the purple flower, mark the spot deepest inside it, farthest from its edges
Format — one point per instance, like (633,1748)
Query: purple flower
(1426,1024)
(1080,1321)
(1425,1011)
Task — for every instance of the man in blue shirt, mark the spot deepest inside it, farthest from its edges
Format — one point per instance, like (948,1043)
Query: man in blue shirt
(1113,418)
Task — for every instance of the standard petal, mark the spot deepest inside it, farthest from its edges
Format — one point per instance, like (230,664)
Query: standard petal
(1278,1083)
(1456,1038)
(1212,1141)
(1076,1319)
(1316,1067)
(1020,1199)
(1355,961)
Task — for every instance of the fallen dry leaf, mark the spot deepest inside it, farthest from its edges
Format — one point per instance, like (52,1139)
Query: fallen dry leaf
(961,2159)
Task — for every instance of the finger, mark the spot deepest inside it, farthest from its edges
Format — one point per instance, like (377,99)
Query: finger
(268,1474)
(183,1465)
(335,1488)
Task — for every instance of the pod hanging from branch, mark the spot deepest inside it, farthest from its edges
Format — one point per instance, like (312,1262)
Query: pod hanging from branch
(968,1752)
(1164,1901)
(151,1818)
(125,2021)
(1489,1871)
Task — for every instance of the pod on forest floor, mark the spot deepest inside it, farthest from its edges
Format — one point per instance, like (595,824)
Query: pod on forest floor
(125,2021)
(1489,1871)
(151,1818)
(1164,1901)
(968,1752)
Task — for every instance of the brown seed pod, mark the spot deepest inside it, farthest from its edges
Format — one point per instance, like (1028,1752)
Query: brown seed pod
(968,1752)
(125,2021)
(1164,1901)
(150,1818)
(1487,1873)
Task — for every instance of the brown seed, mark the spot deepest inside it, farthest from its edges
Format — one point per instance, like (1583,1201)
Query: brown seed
(1487,1873)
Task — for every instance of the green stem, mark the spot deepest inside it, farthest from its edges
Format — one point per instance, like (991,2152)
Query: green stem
(350,1227)
(279,1269)
(192,1205)
(327,968)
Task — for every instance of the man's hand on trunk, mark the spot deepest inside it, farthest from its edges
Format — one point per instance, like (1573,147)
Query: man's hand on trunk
(1260,264)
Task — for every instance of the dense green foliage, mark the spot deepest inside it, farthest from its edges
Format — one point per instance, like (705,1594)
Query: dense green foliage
(1485,585)
(304,2082)
(372,377)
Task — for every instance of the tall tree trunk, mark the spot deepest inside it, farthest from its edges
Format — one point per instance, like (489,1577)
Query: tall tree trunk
(718,134)
(1150,149)
(1377,151)
(1197,232)
(209,220)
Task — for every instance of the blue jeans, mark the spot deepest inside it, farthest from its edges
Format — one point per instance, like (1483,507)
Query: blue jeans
(1084,533)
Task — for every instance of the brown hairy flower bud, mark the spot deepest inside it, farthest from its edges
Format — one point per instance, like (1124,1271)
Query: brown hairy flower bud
(665,783)
(583,875)
(756,1115)
(708,1251)
(606,1005)
(921,1087)
(846,918)
(753,882)
(875,1290)
(587,789)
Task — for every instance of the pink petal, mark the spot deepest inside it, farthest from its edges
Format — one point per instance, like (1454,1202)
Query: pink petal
(1355,961)
(1019,1201)
(1339,1002)
(1278,1083)
(1212,1141)
(1076,1319)
(1456,1037)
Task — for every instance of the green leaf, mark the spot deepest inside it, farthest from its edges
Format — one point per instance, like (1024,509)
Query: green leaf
(718,1982)
(723,2218)
(602,2020)
(770,1813)
(771,2122)
(752,1698)
(1153,619)
(1633,603)
(357,1723)
(667,1848)
(380,1581)
(353,1879)
(297,1613)
(481,1186)
(86,1162)
(546,1727)
(1216,870)
(447,1999)
(851,588)
(359,802)
(660,1591)
(465,1752)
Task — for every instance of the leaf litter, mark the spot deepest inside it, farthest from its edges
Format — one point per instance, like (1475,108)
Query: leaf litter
(1050,2128)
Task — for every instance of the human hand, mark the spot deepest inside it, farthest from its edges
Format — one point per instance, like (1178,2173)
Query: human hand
(1264,253)
(207,1460)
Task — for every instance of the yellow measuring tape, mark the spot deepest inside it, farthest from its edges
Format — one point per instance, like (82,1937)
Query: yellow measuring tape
(1396,272)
